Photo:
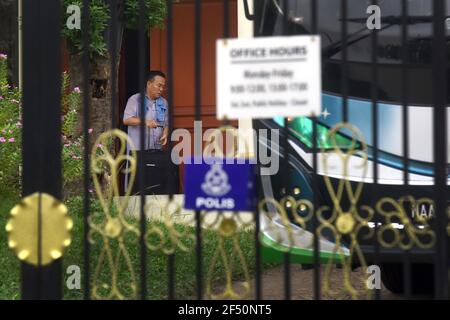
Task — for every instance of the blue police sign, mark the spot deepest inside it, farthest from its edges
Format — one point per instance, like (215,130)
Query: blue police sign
(213,184)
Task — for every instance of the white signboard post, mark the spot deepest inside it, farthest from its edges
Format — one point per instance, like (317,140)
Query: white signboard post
(268,77)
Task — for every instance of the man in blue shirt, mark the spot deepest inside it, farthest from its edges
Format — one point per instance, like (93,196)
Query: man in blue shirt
(156,114)
(156,128)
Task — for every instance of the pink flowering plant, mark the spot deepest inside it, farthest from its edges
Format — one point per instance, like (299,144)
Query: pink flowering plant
(10,130)
(3,69)
(70,102)
(72,141)
(11,133)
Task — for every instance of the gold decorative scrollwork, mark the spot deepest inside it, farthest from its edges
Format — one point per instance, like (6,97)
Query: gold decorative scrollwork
(411,235)
(227,226)
(168,237)
(345,222)
(228,230)
(111,225)
(276,213)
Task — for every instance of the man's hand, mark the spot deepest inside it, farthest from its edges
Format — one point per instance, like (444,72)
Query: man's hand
(165,134)
(163,139)
(151,123)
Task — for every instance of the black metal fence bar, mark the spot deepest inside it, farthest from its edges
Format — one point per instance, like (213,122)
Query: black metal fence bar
(86,158)
(285,171)
(344,63)
(258,288)
(113,51)
(256,214)
(171,276)
(317,265)
(405,130)
(171,257)
(226,18)
(226,32)
(197,75)
(374,97)
(439,60)
(143,41)
(41,145)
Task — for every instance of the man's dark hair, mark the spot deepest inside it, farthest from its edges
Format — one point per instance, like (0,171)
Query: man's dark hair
(153,73)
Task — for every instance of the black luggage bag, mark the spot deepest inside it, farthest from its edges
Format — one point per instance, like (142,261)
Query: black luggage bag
(160,174)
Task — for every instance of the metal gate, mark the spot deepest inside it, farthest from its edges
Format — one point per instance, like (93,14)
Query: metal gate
(365,222)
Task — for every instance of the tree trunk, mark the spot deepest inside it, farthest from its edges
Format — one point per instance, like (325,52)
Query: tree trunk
(100,92)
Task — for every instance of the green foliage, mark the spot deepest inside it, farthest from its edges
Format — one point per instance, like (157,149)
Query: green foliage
(72,160)
(69,123)
(157,271)
(70,102)
(11,134)
(155,13)
(9,264)
(99,15)
(72,149)
(3,70)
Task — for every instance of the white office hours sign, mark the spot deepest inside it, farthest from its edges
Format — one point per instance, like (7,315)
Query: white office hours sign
(268,77)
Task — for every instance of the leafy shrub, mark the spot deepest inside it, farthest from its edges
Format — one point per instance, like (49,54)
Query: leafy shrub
(10,130)
(11,133)
(155,13)
(99,13)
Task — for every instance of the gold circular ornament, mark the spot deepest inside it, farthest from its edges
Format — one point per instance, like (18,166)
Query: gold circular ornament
(22,228)
(228,227)
(345,223)
(113,228)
